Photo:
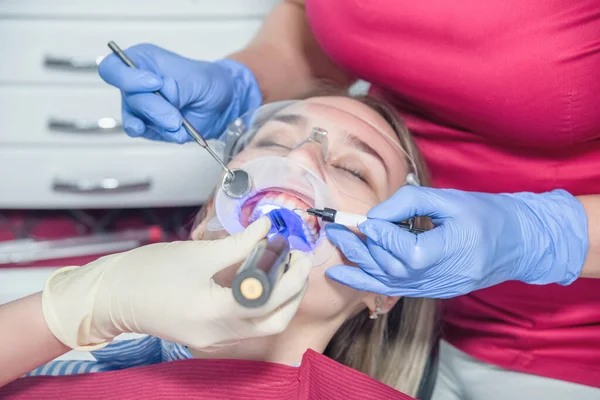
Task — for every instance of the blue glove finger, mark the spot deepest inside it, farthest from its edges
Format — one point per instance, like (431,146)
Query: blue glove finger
(422,293)
(427,292)
(408,282)
(410,201)
(132,125)
(135,127)
(390,265)
(114,72)
(442,287)
(171,91)
(180,136)
(417,252)
(155,110)
(358,279)
(353,248)
(153,132)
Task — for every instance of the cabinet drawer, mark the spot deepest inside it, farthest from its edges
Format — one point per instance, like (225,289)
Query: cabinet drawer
(105,177)
(136,8)
(67,51)
(67,116)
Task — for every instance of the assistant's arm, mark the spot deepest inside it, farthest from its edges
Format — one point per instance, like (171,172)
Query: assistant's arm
(591,267)
(25,340)
(147,290)
(285,58)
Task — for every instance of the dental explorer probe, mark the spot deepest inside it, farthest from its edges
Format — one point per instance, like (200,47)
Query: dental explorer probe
(351,220)
(236,183)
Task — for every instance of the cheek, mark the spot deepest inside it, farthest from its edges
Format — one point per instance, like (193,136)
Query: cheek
(326,299)
(355,202)
(348,204)
(201,232)
(248,155)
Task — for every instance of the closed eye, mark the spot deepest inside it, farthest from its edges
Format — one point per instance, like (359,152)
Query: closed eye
(270,143)
(350,171)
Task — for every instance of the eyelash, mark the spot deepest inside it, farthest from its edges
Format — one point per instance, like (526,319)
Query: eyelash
(355,173)
(268,143)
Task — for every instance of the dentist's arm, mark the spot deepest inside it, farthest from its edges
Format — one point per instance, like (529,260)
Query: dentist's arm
(480,240)
(283,61)
(25,340)
(591,266)
(164,290)
(285,57)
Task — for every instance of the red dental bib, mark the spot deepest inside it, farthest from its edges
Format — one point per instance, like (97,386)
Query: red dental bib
(318,377)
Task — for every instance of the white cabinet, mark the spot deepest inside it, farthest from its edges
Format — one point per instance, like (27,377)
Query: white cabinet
(137,9)
(66,52)
(104,176)
(60,140)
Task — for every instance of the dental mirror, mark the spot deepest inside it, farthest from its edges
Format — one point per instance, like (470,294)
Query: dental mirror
(237,184)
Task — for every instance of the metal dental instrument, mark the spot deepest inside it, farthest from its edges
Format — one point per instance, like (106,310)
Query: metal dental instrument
(269,260)
(352,220)
(236,183)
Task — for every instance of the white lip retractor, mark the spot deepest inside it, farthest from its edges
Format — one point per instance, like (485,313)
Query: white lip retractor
(277,183)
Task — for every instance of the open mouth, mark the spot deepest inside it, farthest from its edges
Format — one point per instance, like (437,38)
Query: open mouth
(275,198)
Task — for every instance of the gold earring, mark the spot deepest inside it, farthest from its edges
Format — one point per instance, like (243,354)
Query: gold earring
(378,309)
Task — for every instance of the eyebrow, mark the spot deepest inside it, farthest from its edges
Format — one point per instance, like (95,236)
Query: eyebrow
(359,144)
(354,139)
(291,119)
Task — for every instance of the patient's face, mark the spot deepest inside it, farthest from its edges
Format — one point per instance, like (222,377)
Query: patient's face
(362,166)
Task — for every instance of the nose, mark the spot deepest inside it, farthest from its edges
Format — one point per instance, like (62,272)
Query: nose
(310,155)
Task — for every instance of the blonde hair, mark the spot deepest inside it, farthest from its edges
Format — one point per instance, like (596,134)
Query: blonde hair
(396,347)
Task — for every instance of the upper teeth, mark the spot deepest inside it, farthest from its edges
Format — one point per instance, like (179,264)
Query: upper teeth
(286,201)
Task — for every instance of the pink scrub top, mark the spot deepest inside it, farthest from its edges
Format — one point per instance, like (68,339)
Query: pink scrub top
(501,96)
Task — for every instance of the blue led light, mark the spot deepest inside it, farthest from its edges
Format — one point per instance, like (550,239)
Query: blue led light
(288,223)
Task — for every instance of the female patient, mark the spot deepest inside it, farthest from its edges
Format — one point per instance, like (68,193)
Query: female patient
(365,157)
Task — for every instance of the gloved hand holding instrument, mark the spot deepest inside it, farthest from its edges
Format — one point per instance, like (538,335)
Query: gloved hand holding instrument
(479,240)
(208,94)
(166,290)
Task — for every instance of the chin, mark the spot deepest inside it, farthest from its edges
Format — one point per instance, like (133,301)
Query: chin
(325,299)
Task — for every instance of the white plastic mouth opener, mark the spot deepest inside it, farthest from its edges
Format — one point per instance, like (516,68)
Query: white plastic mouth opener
(352,220)
(236,183)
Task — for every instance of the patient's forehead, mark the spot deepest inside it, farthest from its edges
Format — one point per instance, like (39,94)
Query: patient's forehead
(358,110)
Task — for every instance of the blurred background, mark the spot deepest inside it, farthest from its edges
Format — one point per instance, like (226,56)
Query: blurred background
(73,186)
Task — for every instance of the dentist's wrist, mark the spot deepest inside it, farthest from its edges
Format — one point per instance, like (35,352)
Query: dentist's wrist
(247,94)
(554,233)
(67,302)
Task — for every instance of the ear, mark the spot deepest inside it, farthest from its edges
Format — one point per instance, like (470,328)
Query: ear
(374,300)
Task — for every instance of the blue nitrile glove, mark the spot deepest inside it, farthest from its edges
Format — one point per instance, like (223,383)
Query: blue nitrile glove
(208,94)
(479,240)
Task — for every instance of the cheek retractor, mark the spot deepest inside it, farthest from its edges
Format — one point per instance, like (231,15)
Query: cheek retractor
(279,184)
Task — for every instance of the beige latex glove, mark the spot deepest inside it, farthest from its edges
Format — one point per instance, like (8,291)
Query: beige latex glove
(166,290)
